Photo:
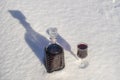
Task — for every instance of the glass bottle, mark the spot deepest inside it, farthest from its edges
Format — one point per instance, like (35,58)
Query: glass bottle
(54,58)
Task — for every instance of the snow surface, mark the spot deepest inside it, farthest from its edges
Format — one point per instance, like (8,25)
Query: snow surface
(23,25)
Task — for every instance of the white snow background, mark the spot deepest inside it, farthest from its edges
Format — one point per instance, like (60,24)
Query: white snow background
(23,25)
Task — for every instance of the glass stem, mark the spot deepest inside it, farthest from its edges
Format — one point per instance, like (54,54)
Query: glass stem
(81,61)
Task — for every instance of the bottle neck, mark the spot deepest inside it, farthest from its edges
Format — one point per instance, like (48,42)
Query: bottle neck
(53,40)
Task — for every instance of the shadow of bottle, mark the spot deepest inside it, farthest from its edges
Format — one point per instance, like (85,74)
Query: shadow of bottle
(35,41)
(64,44)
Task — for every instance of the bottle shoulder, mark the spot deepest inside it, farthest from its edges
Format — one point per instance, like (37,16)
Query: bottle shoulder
(54,49)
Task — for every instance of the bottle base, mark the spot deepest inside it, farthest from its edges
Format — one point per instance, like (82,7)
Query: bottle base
(50,71)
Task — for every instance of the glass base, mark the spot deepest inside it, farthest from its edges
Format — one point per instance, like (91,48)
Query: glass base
(83,64)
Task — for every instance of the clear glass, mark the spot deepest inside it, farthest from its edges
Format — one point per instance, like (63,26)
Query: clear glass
(82,53)
(52,32)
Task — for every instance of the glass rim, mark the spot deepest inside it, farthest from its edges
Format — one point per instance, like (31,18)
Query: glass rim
(82,43)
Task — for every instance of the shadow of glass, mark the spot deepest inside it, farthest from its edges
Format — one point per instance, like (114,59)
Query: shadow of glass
(35,41)
(65,45)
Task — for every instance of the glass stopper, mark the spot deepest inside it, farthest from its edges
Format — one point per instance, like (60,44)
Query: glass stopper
(52,32)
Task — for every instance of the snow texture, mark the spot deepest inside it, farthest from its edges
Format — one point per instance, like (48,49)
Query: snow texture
(23,36)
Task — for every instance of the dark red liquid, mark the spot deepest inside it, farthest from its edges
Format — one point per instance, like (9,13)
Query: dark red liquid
(82,50)
(82,46)
(54,58)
